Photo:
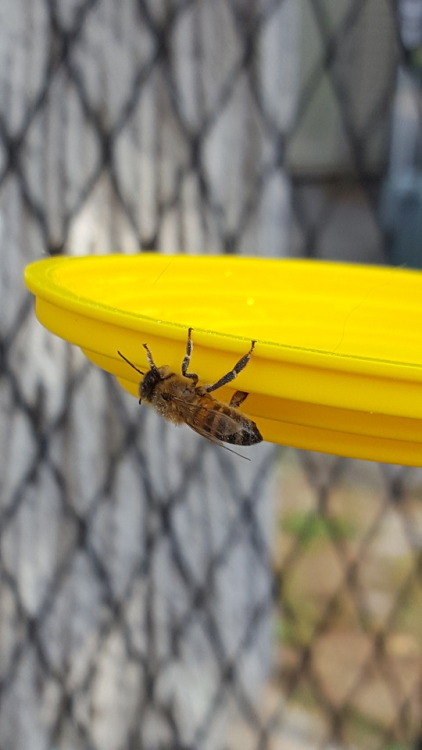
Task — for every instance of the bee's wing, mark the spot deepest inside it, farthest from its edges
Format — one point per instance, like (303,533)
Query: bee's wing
(191,412)
(214,440)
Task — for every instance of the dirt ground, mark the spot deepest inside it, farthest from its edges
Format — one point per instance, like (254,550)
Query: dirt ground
(348,610)
(348,553)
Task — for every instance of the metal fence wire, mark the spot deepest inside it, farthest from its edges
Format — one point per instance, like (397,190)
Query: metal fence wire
(155,593)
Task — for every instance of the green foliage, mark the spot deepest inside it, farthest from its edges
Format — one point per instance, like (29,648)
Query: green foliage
(313,527)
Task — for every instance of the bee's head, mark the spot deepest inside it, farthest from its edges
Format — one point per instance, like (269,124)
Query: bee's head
(148,384)
(150,379)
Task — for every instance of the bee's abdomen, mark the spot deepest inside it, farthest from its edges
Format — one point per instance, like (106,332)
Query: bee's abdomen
(229,426)
(248,435)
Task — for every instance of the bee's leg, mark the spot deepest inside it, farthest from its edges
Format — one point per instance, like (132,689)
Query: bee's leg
(186,361)
(229,376)
(238,398)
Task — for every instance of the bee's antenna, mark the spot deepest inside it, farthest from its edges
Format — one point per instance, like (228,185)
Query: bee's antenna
(130,363)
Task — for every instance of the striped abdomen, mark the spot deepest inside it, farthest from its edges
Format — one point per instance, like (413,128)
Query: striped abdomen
(218,421)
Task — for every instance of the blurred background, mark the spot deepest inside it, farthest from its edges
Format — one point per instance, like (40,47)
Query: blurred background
(155,592)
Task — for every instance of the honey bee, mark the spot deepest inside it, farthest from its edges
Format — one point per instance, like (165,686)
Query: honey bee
(182,400)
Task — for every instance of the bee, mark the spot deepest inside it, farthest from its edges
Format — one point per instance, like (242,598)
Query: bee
(182,400)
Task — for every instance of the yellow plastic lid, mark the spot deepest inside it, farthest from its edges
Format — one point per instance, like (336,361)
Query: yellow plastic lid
(338,362)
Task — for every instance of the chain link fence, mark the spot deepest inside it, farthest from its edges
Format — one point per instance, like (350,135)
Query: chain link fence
(155,594)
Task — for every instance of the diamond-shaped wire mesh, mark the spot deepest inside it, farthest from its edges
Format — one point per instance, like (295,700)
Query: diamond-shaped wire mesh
(155,592)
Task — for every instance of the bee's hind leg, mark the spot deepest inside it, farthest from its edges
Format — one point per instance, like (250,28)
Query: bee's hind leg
(186,360)
(229,376)
(238,398)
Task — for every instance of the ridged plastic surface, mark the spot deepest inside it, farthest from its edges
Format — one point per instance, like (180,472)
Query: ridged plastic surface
(338,363)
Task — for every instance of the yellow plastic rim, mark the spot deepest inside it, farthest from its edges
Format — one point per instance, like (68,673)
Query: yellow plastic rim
(338,362)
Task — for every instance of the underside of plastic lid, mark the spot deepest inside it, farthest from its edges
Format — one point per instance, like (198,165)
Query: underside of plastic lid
(338,362)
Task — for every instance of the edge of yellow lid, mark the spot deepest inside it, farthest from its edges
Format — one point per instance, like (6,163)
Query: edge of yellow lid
(335,402)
